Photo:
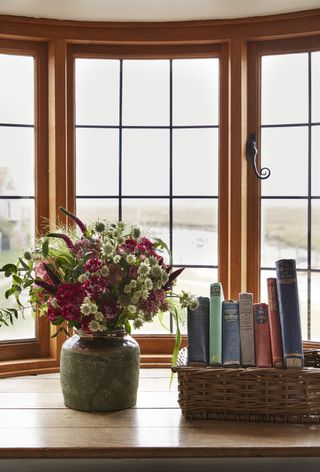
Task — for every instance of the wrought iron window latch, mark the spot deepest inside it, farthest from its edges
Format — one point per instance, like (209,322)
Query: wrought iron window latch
(252,152)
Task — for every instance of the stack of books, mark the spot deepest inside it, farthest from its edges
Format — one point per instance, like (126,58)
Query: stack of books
(240,333)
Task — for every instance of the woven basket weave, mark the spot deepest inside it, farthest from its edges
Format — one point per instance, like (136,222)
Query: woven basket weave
(251,394)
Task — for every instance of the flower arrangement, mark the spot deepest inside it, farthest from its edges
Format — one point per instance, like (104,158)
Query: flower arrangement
(97,282)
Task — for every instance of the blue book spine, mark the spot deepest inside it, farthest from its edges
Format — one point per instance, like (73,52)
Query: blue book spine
(198,333)
(289,313)
(230,334)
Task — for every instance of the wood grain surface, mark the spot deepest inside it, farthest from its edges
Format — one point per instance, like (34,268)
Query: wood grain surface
(34,423)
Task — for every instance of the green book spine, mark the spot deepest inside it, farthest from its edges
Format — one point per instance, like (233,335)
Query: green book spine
(215,324)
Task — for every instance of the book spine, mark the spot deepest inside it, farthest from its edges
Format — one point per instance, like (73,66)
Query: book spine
(198,333)
(262,335)
(275,330)
(215,324)
(247,350)
(289,313)
(230,334)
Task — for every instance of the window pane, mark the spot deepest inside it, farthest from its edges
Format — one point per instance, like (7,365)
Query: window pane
(97,161)
(93,209)
(195,91)
(97,91)
(155,327)
(195,158)
(315,80)
(146,92)
(283,231)
(16,89)
(197,282)
(302,278)
(151,215)
(195,238)
(145,162)
(16,235)
(315,149)
(285,152)
(23,328)
(16,161)
(264,275)
(315,234)
(284,89)
(315,303)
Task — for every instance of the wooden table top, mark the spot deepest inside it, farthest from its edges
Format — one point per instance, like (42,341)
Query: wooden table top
(34,423)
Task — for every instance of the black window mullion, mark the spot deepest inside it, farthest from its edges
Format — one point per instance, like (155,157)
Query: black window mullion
(171,171)
(309,196)
(120,139)
(16,125)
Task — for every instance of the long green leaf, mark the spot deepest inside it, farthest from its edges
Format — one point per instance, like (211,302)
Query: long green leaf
(45,248)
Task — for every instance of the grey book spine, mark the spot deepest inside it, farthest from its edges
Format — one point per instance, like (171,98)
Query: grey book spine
(247,351)
(198,333)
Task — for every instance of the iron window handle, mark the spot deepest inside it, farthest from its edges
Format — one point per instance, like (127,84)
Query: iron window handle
(251,153)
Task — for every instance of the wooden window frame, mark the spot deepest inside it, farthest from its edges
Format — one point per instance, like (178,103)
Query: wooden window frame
(238,245)
(39,347)
(255,52)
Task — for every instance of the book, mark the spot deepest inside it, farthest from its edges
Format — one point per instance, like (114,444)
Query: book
(198,333)
(262,335)
(247,349)
(230,334)
(215,324)
(289,313)
(275,330)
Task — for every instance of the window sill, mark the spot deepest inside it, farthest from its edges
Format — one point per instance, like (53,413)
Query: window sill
(36,424)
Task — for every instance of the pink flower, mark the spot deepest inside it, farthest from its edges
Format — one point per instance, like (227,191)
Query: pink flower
(41,273)
(128,246)
(80,247)
(93,264)
(95,286)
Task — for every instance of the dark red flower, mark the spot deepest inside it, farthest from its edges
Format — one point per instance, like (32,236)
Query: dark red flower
(70,293)
(71,311)
(53,313)
(154,302)
(147,243)
(110,310)
(116,273)
(133,272)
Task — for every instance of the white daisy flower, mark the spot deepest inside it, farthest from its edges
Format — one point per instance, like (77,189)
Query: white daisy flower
(94,326)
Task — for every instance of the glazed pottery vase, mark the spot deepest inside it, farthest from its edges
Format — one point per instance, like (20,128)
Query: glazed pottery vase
(100,372)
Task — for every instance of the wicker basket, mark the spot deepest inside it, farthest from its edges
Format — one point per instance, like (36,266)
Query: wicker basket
(251,394)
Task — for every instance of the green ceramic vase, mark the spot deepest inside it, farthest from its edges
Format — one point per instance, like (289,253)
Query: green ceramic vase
(100,372)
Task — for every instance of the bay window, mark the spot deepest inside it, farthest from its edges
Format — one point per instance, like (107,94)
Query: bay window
(148,124)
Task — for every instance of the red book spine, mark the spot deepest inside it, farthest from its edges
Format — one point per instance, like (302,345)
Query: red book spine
(275,330)
(262,335)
